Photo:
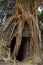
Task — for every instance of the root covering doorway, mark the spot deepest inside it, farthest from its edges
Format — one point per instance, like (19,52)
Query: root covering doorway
(22,50)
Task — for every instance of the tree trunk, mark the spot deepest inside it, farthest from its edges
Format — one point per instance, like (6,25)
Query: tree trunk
(25,12)
(34,30)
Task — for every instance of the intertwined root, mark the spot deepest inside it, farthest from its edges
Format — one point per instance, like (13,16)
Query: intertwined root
(20,17)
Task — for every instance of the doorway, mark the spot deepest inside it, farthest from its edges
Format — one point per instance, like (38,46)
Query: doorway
(22,50)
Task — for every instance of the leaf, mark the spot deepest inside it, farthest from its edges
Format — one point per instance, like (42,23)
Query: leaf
(39,12)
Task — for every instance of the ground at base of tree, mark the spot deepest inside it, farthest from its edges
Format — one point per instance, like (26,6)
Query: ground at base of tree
(31,62)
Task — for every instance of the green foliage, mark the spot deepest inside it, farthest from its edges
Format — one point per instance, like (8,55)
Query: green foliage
(39,12)
(40,17)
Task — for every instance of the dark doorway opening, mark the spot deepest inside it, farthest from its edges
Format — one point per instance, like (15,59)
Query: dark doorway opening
(20,55)
(22,48)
